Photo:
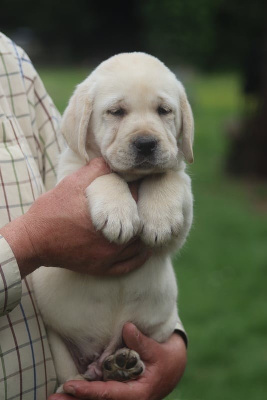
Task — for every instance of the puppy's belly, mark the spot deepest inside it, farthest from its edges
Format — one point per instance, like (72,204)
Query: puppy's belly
(89,312)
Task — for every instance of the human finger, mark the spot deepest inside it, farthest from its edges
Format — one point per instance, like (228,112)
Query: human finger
(130,264)
(61,397)
(95,168)
(134,186)
(146,347)
(133,247)
(110,390)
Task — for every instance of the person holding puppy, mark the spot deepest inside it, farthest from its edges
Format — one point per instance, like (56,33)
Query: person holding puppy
(43,225)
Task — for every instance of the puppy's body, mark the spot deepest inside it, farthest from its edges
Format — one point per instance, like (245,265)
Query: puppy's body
(133,112)
(89,313)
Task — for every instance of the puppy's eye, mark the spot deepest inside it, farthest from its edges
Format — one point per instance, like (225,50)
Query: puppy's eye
(163,110)
(119,112)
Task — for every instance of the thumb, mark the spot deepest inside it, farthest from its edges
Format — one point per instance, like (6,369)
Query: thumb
(96,167)
(137,341)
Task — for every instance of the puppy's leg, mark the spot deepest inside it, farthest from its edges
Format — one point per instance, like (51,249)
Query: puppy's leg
(64,364)
(112,208)
(165,208)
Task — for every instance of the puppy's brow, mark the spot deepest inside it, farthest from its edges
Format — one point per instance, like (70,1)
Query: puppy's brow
(115,101)
(166,100)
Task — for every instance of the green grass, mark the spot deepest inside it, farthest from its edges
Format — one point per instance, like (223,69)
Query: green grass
(222,269)
(60,83)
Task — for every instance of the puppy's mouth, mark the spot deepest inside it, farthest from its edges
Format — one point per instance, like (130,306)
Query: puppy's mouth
(138,164)
(137,168)
(145,163)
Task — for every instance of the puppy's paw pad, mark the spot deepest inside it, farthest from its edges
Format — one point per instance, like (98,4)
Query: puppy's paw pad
(124,365)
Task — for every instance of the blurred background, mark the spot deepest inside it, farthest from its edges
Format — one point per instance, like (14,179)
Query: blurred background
(218,49)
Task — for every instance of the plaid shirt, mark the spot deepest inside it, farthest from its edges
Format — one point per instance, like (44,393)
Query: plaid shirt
(29,145)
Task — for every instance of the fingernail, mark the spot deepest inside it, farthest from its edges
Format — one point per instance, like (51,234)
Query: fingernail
(136,332)
(69,389)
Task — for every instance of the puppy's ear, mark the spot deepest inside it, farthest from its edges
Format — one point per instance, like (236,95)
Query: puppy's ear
(186,135)
(75,121)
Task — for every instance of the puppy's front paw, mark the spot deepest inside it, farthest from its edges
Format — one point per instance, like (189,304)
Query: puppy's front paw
(160,224)
(117,217)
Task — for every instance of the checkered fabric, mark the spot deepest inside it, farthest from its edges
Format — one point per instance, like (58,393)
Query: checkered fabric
(29,145)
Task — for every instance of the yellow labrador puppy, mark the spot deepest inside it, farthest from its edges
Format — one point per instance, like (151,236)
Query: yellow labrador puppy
(133,112)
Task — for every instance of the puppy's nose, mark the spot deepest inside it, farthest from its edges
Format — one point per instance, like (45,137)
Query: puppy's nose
(145,145)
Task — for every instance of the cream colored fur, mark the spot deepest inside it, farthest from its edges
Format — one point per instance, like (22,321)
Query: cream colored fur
(90,311)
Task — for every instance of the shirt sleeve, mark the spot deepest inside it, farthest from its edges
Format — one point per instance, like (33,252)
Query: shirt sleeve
(179,328)
(10,279)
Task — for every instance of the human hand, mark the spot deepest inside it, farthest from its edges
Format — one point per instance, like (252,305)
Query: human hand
(165,365)
(57,231)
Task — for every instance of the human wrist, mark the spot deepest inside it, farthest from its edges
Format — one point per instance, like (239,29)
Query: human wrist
(17,236)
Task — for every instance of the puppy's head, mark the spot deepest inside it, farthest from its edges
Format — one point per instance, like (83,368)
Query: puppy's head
(134,112)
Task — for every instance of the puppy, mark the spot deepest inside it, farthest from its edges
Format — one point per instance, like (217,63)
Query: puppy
(133,112)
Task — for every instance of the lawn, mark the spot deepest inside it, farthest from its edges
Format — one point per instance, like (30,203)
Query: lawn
(222,269)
